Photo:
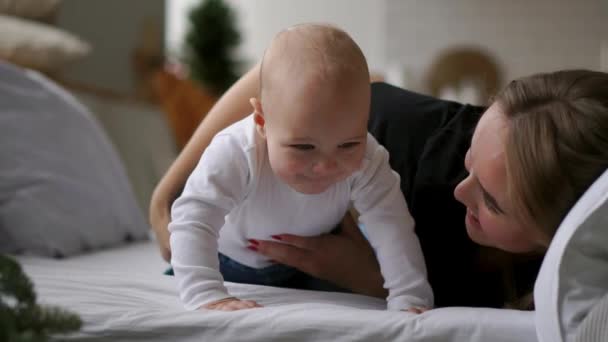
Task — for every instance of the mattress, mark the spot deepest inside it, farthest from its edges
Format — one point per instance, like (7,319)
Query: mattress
(122,295)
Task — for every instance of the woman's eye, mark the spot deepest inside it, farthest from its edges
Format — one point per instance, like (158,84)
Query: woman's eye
(302,147)
(349,145)
(490,205)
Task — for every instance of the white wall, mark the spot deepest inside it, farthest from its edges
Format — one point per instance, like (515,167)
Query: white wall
(604,55)
(525,36)
(402,37)
(363,19)
(176,24)
(261,19)
(112,27)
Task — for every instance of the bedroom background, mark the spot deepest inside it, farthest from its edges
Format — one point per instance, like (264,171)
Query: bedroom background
(124,58)
(62,181)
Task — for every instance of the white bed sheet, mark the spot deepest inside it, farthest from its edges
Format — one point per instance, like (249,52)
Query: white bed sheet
(122,295)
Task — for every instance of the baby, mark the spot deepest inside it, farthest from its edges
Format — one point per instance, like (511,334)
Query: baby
(294,166)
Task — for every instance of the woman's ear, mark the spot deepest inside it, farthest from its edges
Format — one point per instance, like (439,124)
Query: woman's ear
(258,116)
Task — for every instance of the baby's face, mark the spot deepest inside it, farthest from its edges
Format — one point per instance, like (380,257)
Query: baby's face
(316,139)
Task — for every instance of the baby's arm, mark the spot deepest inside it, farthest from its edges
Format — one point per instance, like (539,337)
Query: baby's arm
(230,108)
(218,183)
(390,229)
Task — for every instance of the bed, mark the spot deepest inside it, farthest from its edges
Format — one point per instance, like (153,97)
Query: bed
(69,214)
(122,295)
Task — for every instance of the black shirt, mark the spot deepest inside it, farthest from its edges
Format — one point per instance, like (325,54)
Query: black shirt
(427,140)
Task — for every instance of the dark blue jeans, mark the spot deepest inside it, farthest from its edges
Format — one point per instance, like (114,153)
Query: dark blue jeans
(274,275)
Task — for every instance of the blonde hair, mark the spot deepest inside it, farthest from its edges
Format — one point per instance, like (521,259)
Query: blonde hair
(557,142)
(322,51)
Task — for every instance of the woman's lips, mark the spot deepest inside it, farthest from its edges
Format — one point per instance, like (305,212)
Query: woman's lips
(472,220)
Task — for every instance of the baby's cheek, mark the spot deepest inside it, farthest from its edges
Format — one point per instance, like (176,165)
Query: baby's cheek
(354,164)
(289,167)
(295,165)
(352,168)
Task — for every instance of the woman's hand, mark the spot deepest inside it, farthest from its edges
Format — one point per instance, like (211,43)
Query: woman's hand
(345,259)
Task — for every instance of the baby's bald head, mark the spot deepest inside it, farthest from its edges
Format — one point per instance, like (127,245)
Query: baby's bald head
(314,106)
(312,55)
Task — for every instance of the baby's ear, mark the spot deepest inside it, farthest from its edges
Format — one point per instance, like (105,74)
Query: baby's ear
(258,116)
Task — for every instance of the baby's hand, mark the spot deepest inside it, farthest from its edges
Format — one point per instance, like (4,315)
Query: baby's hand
(417,310)
(231,304)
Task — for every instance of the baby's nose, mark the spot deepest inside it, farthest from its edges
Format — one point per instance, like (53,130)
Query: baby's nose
(325,166)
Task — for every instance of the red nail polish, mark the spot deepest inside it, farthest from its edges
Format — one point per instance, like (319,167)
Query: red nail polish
(253,242)
(253,248)
(276,237)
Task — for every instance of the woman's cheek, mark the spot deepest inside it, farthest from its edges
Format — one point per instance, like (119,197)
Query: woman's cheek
(492,227)
(485,221)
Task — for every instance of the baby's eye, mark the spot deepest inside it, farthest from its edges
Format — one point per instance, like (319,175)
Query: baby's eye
(349,144)
(302,147)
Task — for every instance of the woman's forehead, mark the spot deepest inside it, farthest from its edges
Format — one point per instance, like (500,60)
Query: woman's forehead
(490,134)
(488,152)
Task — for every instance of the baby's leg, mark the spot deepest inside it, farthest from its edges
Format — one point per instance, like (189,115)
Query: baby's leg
(274,275)
(307,282)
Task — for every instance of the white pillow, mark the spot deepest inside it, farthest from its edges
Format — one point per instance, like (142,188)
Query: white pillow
(574,274)
(29,8)
(63,189)
(38,46)
(594,327)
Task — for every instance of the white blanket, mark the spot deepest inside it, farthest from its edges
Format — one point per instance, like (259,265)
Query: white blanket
(122,295)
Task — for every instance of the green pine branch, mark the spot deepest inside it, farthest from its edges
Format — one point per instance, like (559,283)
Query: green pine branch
(14,283)
(21,319)
(210,44)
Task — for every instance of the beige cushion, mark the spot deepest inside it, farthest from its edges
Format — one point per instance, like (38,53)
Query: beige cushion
(38,46)
(34,9)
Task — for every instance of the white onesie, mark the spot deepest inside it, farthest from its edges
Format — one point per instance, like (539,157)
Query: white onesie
(233,195)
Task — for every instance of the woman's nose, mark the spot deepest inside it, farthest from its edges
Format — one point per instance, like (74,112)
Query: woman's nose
(463,191)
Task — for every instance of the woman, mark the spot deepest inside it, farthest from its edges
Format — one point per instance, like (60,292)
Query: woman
(536,149)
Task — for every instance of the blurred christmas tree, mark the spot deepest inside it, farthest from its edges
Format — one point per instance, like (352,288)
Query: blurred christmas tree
(21,319)
(210,44)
